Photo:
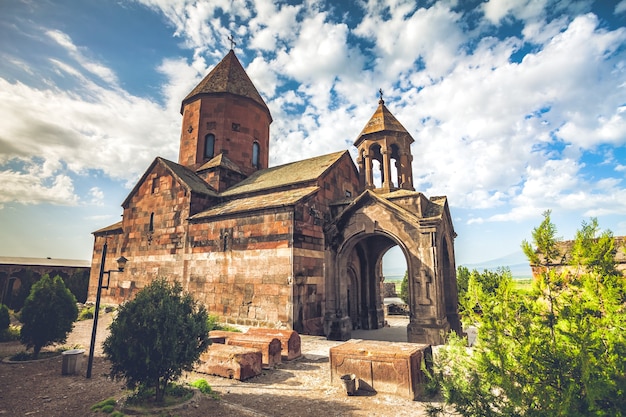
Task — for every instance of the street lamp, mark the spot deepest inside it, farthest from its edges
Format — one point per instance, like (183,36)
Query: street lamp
(121,263)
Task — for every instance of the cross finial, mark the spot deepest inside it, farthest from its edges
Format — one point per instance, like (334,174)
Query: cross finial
(380,93)
(232,41)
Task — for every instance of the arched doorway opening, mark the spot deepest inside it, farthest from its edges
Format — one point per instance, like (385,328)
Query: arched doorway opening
(364,262)
(394,270)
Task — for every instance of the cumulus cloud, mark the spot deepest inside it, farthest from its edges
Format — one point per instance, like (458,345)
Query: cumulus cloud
(92,126)
(492,130)
(35,187)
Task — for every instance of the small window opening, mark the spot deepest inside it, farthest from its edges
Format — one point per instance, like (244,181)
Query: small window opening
(255,154)
(151,227)
(225,243)
(209,145)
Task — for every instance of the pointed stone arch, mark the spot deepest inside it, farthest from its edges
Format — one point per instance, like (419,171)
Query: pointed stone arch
(362,234)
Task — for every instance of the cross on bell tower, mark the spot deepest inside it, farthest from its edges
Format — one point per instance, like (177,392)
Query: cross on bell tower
(232,41)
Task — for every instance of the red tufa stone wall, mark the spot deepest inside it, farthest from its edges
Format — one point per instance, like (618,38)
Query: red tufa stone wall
(236,122)
(309,246)
(157,250)
(240,267)
(263,268)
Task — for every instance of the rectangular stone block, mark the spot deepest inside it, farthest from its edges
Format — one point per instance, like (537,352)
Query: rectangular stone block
(234,362)
(270,347)
(289,340)
(386,367)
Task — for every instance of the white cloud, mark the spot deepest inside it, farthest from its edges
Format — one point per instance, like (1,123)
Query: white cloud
(92,66)
(489,132)
(97,196)
(620,7)
(35,187)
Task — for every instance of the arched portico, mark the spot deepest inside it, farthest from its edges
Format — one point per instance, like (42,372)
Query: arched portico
(360,236)
(359,268)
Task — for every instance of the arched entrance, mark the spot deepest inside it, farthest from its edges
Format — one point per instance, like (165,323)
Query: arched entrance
(360,236)
(361,263)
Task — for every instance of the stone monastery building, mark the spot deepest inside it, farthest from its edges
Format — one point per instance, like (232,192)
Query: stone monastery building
(295,246)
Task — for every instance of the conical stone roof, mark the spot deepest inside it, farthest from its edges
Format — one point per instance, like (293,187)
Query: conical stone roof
(381,121)
(228,76)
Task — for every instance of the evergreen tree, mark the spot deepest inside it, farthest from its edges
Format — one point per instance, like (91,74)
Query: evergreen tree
(404,288)
(555,352)
(48,314)
(156,336)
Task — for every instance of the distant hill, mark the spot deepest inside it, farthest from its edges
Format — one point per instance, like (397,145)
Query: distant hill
(516,262)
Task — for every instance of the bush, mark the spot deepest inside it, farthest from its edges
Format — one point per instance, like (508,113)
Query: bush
(10,335)
(404,288)
(555,351)
(86,313)
(5,319)
(48,314)
(156,336)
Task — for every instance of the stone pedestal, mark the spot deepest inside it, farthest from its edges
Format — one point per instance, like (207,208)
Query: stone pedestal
(386,367)
(338,328)
(427,333)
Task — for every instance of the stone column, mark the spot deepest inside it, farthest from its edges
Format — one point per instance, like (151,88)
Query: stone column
(386,174)
(369,175)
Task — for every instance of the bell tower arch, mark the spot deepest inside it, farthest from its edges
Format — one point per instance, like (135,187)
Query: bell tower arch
(385,140)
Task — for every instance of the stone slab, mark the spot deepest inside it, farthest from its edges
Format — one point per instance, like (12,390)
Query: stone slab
(289,340)
(233,362)
(386,367)
(270,347)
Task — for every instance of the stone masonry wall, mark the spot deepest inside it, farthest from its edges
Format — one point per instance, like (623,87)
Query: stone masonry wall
(236,122)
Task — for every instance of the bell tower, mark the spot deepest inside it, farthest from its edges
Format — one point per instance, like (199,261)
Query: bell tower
(225,116)
(384,140)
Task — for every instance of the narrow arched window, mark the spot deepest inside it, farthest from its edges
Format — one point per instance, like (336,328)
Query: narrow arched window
(209,145)
(255,154)
(151,227)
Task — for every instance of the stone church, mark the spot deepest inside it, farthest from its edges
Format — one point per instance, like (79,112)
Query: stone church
(295,246)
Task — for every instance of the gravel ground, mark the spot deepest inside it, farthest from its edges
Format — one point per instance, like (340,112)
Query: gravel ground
(297,388)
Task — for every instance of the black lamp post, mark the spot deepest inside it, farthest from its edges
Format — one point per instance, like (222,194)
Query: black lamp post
(121,263)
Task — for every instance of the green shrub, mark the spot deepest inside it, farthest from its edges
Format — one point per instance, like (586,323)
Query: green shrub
(10,335)
(156,336)
(86,313)
(5,319)
(202,385)
(205,388)
(555,351)
(48,314)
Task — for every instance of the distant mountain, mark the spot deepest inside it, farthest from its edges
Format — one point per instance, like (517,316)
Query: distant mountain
(395,266)
(516,262)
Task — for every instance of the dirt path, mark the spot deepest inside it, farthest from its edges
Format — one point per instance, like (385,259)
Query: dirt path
(297,388)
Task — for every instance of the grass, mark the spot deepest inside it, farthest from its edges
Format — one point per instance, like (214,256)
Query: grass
(523,285)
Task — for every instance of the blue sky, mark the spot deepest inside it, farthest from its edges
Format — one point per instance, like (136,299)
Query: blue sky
(516,106)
